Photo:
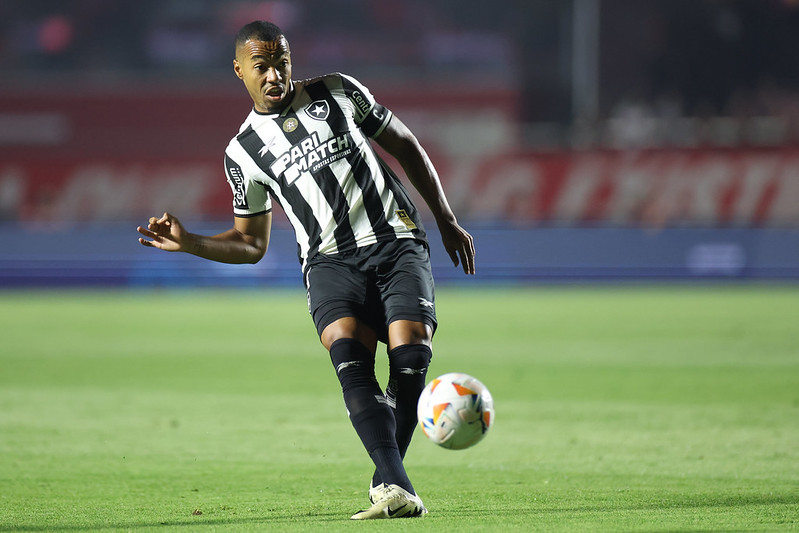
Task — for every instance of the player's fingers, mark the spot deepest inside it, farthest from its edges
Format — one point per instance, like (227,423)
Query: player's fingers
(468,265)
(163,220)
(467,256)
(145,232)
(166,219)
(453,254)
(472,255)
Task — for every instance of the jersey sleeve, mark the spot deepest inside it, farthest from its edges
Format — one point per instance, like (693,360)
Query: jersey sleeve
(371,116)
(250,198)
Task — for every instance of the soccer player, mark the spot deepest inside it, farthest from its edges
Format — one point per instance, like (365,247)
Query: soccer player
(363,250)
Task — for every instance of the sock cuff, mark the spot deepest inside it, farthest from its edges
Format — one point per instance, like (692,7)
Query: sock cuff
(410,355)
(348,350)
(402,348)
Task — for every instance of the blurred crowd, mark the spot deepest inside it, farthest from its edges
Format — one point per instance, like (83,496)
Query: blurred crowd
(670,72)
(166,38)
(713,72)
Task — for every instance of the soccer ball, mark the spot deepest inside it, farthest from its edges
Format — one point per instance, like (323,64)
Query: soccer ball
(455,411)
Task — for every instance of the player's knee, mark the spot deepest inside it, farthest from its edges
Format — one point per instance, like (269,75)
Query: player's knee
(348,328)
(410,359)
(408,332)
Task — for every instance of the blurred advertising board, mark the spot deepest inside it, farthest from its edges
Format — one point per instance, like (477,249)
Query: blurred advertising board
(656,188)
(100,157)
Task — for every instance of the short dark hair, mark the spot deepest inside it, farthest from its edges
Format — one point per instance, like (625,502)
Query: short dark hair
(261,30)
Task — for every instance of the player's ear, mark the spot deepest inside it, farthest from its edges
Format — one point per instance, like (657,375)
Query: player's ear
(237,69)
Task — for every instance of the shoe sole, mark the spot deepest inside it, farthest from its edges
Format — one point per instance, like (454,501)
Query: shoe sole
(396,508)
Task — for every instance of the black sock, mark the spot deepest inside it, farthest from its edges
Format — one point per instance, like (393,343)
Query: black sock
(388,462)
(407,373)
(368,409)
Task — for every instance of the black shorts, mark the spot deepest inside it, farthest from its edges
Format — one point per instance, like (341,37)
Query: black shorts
(376,284)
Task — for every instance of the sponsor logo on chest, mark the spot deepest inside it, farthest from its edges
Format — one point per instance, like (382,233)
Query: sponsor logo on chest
(310,154)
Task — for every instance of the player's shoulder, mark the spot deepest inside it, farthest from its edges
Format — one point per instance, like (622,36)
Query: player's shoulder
(247,124)
(253,121)
(334,81)
(331,80)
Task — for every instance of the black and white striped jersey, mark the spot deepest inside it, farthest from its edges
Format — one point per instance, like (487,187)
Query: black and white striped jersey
(315,159)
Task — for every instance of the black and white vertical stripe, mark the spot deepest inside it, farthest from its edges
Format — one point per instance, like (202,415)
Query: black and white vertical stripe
(352,199)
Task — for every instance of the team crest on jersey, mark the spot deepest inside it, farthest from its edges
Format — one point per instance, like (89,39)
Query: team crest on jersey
(318,110)
(290,125)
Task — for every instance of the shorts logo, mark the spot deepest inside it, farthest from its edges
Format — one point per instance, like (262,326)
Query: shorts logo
(290,125)
(318,110)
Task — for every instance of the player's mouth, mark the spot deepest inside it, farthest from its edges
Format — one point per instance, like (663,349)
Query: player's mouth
(274,93)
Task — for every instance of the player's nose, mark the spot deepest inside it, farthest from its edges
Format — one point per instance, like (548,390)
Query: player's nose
(272,75)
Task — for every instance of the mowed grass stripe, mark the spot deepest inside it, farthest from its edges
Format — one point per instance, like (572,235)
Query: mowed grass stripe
(618,409)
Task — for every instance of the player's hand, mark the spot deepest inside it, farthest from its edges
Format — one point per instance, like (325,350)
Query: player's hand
(459,245)
(165,233)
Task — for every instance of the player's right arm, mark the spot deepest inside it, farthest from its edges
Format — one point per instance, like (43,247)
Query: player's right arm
(246,242)
(402,144)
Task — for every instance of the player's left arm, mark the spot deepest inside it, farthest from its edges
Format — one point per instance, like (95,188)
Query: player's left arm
(398,140)
(246,242)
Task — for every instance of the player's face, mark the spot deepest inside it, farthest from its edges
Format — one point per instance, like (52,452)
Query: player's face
(265,69)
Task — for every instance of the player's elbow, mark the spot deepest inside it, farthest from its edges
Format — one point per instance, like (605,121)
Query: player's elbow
(407,148)
(254,249)
(257,252)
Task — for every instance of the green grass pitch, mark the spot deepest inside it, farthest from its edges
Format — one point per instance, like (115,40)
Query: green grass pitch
(618,409)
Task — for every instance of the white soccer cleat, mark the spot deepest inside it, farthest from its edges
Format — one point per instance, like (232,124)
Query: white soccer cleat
(375,492)
(391,501)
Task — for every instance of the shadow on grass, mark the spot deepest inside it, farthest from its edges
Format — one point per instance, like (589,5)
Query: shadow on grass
(697,501)
(297,519)
(190,524)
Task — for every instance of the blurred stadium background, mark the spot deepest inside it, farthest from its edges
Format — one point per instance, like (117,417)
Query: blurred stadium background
(579,139)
